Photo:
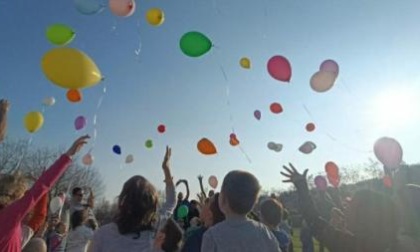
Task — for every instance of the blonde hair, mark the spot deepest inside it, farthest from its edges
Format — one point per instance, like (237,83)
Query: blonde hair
(12,187)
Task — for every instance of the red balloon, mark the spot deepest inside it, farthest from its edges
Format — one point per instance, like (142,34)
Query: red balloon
(279,68)
(331,169)
(310,127)
(276,108)
(161,128)
(74,95)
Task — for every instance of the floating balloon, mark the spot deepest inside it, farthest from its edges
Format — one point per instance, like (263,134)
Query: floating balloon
(55,204)
(80,122)
(310,127)
(332,173)
(277,147)
(195,44)
(74,95)
(213,182)
(129,159)
(245,63)
(257,114)
(279,68)
(122,8)
(49,101)
(88,7)
(116,149)
(307,148)
(161,128)
(387,180)
(206,147)
(70,68)
(155,16)
(33,121)
(329,66)
(149,144)
(322,81)
(389,152)
(182,211)
(88,159)
(60,34)
(276,108)
(233,140)
(320,183)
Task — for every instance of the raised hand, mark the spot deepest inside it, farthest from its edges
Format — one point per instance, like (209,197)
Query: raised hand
(165,163)
(77,145)
(293,175)
(200,177)
(4,105)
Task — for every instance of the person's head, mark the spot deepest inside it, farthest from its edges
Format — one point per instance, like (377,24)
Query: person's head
(180,196)
(372,217)
(35,245)
(169,237)
(60,227)
(77,194)
(239,193)
(211,213)
(195,222)
(137,205)
(79,218)
(271,212)
(194,204)
(92,224)
(211,193)
(12,187)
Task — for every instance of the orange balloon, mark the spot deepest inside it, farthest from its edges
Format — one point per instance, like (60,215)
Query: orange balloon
(206,147)
(331,169)
(74,95)
(233,140)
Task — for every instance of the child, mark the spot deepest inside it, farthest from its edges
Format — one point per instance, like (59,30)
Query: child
(238,233)
(57,236)
(169,238)
(271,216)
(15,204)
(80,235)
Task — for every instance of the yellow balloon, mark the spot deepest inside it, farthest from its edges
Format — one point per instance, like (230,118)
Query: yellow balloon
(245,63)
(70,68)
(155,16)
(33,121)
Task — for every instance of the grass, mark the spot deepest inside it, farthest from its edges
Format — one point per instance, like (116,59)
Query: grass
(297,245)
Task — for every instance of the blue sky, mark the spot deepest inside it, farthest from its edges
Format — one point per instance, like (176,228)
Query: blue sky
(375,95)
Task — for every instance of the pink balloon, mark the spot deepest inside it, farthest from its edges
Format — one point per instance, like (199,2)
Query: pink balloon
(257,114)
(389,152)
(322,81)
(122,8)
(213,182)
(80,122)
(87,159)
(279,68)
(329,66)
(320,183)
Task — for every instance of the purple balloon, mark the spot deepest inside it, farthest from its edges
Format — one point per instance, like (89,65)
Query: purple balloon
(257,114)
(329,66)
(321,183)
(80,122)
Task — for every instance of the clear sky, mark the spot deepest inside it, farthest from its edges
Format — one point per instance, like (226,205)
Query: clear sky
(376,94)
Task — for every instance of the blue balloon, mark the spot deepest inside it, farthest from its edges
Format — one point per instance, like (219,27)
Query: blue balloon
(88,7)
(116,149)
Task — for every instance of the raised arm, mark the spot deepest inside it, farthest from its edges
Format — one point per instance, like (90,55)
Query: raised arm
(4,108)
(200,180)
(170,202)
(39,214)
(91,199)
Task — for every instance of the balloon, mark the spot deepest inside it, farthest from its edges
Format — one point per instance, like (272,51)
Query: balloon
(88,159)
(307,147)
(129,159)
(74,95)
(195,44)
(70,68)
(182,211)
(310,127)
(245,63)
(279,68)
(387,180)
(80,122)
(161,128)
(49,101)
(213,182)
(329,66)
(155,16)
(206,147)
(116,149)
(122,8)
(149,144)
(88,7)
(322,81)
(276,108)
(331,169)
(233,140)
(389,152)
(55,204)
(320,183)
(60,34)
(33,121)
(257,114)
(275,146)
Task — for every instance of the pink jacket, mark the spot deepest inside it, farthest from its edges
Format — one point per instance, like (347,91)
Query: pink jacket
(12,216)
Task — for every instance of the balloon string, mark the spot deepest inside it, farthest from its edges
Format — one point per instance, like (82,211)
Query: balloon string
(95,116)
(138,50)
(17,167)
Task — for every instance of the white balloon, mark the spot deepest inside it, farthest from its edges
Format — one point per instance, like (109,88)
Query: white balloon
(49,101)
(56,204)
(88,159)
(129,159)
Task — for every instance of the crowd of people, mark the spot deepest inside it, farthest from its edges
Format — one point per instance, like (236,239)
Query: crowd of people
(234,219)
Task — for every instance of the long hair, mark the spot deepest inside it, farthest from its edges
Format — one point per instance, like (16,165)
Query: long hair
(78,218)
(218,215)
(137,206)
(12,187)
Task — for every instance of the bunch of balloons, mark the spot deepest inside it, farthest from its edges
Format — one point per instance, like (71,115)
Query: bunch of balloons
(324,79)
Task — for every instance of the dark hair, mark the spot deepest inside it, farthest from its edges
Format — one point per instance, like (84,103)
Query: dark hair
(271,211)
(78,218)
(218,216)
(76,190)
(173,236)
(137,205)
(240,188)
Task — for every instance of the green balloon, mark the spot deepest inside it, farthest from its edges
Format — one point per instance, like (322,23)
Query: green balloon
(59,34)
(195,44)
(149,144)
(182,212)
